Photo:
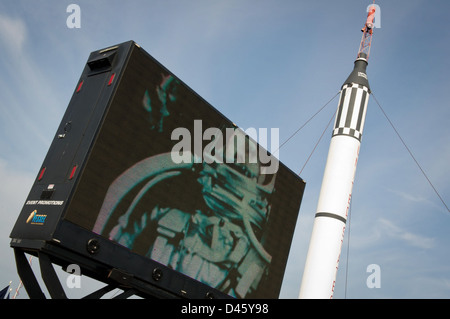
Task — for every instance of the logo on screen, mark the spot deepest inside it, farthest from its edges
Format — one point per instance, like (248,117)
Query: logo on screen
(36,219)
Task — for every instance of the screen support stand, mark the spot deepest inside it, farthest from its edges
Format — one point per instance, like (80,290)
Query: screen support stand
(115,278)
(52,282)
(27,276)
(118,279)
(50,277)
(48,274)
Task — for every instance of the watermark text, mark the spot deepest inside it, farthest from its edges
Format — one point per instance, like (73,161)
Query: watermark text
(74,18)
(237,146)
(374,279)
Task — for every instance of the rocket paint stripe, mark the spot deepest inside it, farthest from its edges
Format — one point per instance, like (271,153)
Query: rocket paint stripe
(348,132)
(354,119)
(351,105)
(338,116)
(360,115)
(341,106)
(331,215)
(366,101)
(351,111)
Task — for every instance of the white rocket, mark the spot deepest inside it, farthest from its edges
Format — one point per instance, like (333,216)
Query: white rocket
(322,261)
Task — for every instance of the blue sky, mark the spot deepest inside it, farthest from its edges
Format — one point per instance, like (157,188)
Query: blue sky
(263,64)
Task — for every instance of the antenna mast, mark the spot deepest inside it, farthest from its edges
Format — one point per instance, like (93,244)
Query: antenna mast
(367,30)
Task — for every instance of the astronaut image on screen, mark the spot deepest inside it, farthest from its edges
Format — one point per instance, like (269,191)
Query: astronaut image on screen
(206,220)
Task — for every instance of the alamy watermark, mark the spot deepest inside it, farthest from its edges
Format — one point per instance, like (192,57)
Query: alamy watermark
(374,279)
(377,18)
(238,146)
(74,18)
(74,279)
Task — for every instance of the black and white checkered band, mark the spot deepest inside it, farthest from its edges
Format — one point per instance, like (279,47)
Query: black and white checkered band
(351,111)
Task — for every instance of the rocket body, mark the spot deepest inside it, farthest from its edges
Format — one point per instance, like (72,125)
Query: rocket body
(335,195)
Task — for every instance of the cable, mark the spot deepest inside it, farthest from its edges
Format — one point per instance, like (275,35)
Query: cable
(304,124)
(410,153)
(349,219)
(317,142)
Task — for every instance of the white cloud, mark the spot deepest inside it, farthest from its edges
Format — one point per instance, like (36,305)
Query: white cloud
(13,191)
(409,197)
(28,97)
(13,32)
(388,228)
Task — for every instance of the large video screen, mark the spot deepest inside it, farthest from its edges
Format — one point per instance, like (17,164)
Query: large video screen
(172,179)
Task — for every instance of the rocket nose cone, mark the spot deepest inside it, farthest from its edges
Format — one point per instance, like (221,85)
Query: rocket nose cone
(358,74)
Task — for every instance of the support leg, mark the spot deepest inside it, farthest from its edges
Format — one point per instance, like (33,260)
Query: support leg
(27,276)
(50,277)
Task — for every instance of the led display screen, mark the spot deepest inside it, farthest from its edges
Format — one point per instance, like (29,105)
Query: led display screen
(171,179)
